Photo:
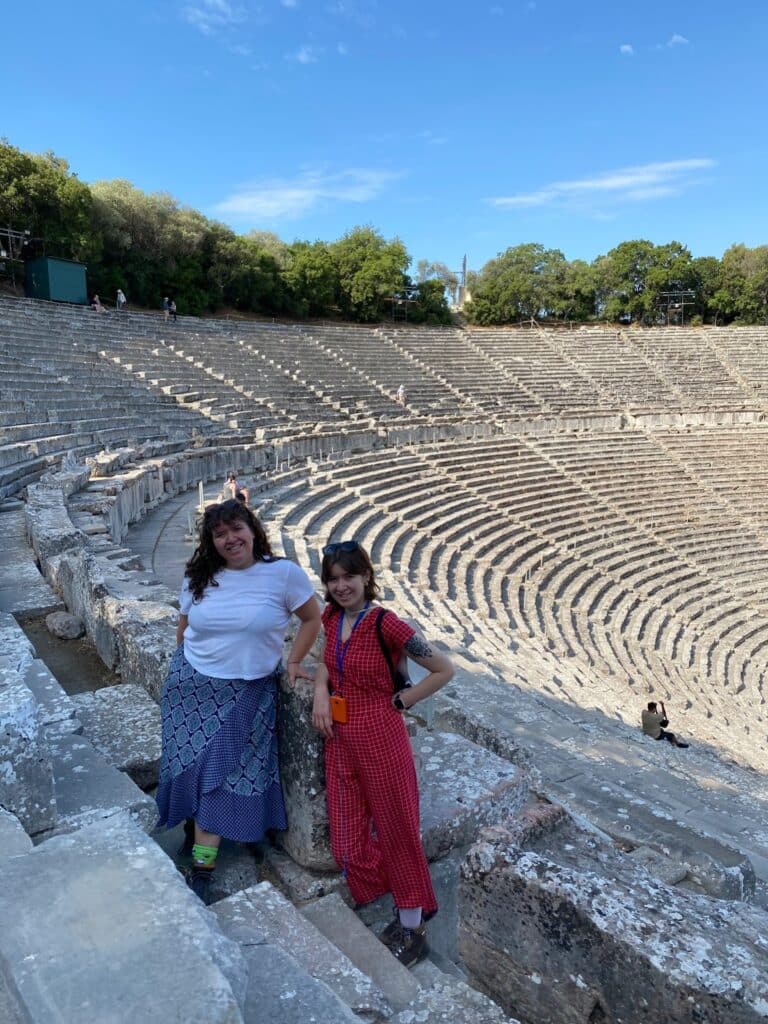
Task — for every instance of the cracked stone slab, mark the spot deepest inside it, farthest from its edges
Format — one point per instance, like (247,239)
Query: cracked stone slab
(123,723)
(89,789)
(262,910)
(99,924)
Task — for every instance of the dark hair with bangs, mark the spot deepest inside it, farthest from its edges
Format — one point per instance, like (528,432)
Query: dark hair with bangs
(357,563)
(206,561)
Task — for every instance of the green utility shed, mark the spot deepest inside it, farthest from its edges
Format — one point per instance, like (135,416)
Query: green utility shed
(60,280)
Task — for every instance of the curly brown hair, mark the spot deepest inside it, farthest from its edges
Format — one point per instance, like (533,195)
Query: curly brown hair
(356,562)
(206,561)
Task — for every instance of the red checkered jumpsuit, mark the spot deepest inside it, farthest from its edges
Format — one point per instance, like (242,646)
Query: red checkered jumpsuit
(372,791)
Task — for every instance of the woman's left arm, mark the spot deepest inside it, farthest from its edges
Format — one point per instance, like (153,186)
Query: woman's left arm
(309,614)
(439,666)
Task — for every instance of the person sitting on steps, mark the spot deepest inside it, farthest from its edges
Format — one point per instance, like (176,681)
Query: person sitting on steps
(655,722)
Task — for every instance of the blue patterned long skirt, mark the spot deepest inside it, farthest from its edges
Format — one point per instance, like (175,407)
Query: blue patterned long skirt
(219,759)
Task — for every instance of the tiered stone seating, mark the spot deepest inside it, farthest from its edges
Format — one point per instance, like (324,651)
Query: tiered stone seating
(546,372)
(618,369)
(467,370)
(59,397)
(693,370)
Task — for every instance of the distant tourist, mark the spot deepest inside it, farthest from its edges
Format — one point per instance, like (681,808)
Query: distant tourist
(172,309)
(232,489)
(655,723)
(120,302)
(96,304)
(219,770)
(401,395)
(166,308)
(371,786)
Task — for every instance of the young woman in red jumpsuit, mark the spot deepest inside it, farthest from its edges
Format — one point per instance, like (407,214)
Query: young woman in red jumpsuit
(371,786)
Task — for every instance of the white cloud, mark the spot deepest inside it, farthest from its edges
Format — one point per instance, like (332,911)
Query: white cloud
(627,49)
(285,198)
(304,55)
(240,51)
(289,3)
(628,184)
(677,40)
(341,49)
(210,15)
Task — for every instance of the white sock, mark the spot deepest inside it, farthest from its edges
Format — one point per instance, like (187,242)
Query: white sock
(410,917)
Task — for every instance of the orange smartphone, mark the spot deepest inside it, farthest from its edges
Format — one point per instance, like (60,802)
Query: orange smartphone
(338,709)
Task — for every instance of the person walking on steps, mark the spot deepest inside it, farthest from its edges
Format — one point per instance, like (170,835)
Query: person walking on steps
(371,785)
(655,723)
(166,307)
(219,769)
(120,300)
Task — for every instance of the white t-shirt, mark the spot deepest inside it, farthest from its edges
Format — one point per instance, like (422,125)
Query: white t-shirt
(237,629)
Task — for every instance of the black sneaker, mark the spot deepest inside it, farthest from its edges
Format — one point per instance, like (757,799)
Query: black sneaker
(409,945)
(198,878)
(184,853)
(392,929)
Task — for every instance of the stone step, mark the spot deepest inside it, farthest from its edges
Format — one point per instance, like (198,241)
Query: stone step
(262,909)
(55,706)
(99,926)
(89,789)
(123,723)
(345,930)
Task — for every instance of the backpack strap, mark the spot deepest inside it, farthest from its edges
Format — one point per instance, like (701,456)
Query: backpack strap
(384,649)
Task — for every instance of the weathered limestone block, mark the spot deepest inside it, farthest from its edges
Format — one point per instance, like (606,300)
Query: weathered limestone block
(100,924)
(573,931)
(55,706)
(89,789)
(145,639)
(345,930)
(49,527)
(303,778)
(16,651)
(280,990)
(76,575)
(262,909)
(64,625)
(123,723)
(450,1001)
(26,773)
(13,839)
(462,788)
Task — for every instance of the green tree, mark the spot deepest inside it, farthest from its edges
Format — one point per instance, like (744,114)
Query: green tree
(431,306)
(370,270)
(621,280)
(707,272)
(743,291)
(523,282)
(311,278)
(427,270)
(39,194)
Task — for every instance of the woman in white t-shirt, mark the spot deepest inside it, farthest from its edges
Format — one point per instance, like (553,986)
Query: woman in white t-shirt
(219,768)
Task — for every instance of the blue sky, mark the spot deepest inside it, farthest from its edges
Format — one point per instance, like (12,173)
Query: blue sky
(458,128)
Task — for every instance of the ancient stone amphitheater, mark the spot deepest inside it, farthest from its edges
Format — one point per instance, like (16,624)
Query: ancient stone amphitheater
(579,516)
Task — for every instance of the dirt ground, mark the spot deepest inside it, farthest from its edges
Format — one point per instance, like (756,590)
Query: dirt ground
(74,663)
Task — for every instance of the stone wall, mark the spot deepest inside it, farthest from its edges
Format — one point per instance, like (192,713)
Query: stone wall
(559,926)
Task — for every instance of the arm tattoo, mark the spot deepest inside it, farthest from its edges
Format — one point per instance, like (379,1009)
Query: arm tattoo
(418,647)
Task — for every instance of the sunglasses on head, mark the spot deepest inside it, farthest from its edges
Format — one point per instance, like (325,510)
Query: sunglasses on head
(342,545)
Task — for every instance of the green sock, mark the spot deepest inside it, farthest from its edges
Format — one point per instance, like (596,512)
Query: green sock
(205,855)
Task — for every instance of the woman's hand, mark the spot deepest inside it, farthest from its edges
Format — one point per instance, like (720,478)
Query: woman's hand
(297,671)
(321,712)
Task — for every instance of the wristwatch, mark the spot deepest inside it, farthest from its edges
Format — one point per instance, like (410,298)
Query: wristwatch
(397,701)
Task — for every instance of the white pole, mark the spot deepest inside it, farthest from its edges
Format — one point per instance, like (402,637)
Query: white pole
(202,497)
